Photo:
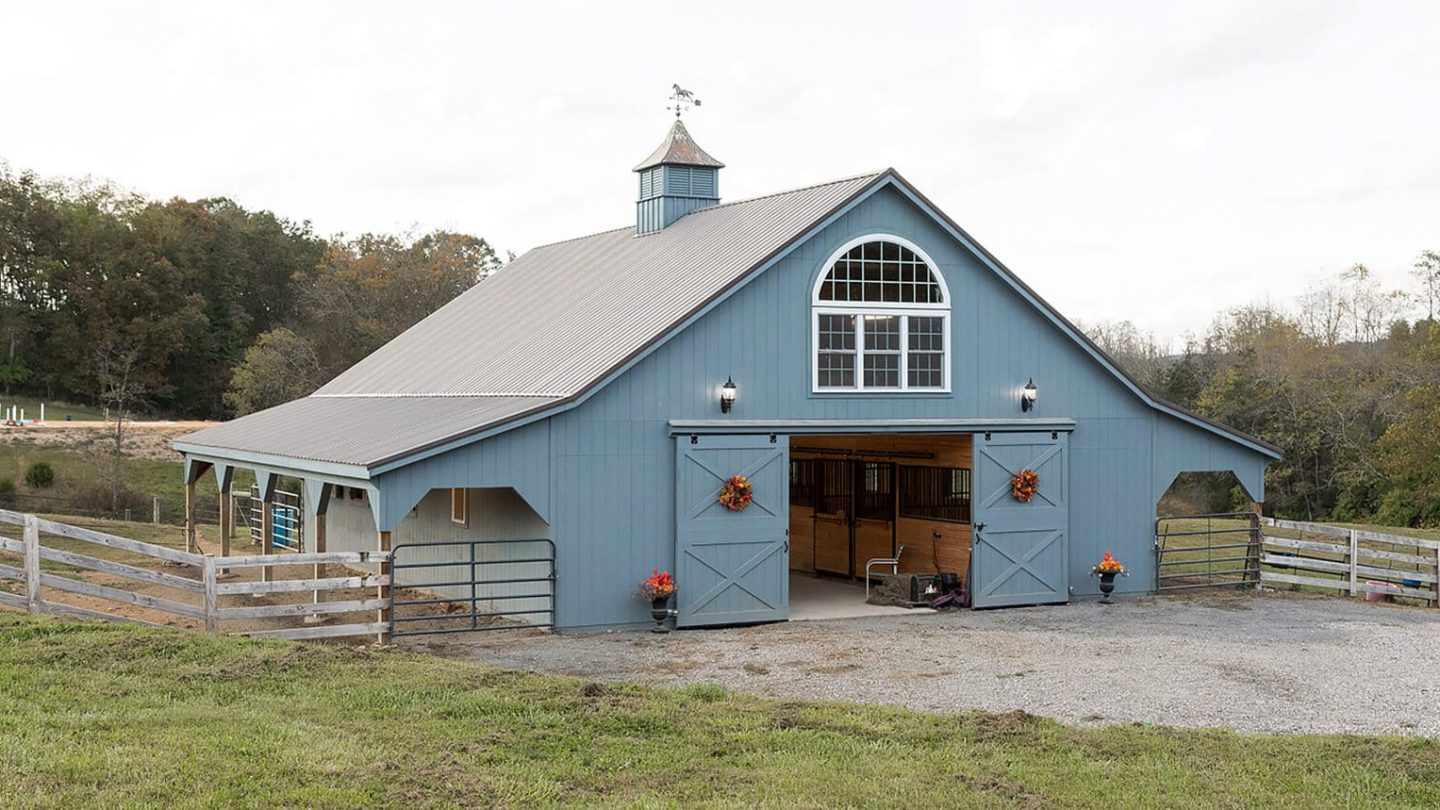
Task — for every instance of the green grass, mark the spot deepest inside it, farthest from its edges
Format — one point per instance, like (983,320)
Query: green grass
(54,411)
(109,715)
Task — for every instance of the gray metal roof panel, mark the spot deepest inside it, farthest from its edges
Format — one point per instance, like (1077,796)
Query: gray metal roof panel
(560,317)
(360,430)
(679,149)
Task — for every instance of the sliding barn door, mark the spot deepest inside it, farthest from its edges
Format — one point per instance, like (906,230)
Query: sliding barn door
(731,567)
(1021,549)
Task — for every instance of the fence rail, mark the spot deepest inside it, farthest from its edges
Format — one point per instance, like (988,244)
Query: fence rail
(203,580)
(1352,560)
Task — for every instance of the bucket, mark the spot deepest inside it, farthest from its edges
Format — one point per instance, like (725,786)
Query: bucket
(1371,596)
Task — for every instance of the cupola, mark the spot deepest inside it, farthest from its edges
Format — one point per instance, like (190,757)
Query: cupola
(676,179)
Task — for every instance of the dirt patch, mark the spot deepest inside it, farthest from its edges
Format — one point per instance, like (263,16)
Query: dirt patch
(143,440)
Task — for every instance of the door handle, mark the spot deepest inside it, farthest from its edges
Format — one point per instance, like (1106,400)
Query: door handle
(979,527)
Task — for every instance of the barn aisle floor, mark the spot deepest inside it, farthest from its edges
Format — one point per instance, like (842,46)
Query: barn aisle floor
(816,598)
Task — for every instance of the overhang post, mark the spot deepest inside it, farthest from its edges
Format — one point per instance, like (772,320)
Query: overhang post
(383,591)
(224,481)
(193,470)
(317,502)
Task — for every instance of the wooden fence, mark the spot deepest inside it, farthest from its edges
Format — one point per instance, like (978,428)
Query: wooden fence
(197,583)
(1352,561)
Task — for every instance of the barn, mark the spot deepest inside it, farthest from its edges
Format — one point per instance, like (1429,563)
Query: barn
(555,433)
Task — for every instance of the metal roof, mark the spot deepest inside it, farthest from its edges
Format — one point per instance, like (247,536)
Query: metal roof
(679,149)
(537,333)
(358,430)
(558,318)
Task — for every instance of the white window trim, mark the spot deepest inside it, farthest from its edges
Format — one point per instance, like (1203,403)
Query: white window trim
(464,519)
(860,310)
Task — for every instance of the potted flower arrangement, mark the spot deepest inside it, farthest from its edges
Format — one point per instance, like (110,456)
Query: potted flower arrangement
(657,590)
(1107,569)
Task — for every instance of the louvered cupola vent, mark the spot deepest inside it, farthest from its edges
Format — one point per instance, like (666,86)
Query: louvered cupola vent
(676,179)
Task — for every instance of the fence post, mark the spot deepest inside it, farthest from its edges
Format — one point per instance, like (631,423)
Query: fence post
(212,597)
(32,564)
(1354,563)
(155,510)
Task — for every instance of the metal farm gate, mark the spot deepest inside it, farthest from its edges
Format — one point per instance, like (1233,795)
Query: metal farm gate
(1207,551)
(286,518)
(465,586)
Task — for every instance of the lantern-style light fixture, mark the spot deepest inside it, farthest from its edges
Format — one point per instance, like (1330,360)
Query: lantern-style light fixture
(1028,395)
(727,395)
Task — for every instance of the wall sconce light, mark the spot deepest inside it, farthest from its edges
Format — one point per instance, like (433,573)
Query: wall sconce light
(1028,395)
(727,394)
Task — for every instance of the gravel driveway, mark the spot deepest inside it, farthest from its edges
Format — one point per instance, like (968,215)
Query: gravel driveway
(1242,661)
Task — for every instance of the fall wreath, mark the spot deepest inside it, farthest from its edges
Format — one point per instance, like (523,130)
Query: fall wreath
(1024,484)
(736,493)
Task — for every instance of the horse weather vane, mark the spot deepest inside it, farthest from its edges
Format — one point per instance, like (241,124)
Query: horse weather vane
(684,100)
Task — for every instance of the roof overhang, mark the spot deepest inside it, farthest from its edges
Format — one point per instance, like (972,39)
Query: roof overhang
(795,427)
(299,467)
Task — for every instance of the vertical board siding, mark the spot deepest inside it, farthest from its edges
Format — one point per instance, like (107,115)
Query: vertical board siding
(606,469)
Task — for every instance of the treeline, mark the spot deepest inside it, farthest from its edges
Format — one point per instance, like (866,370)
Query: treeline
(199,308)
(1345,379)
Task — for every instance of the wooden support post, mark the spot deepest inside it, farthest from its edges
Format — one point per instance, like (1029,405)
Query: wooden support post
(212,595)
(1354,563)
(32,565)
(190,542)
(383,591)
(267,538)
(1257,540)
(320,549)
(1436,587)
(226,505)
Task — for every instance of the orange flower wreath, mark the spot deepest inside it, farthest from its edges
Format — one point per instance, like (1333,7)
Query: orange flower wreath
(1024,484)
(736,493)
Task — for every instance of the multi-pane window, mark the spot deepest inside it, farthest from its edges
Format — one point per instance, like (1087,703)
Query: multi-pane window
(835,344)
(881,321)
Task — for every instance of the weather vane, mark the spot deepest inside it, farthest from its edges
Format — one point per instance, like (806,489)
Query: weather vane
(684,100)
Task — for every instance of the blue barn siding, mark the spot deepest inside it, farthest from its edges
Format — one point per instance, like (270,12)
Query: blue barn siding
(518,459)
(1180,447)
(611,509)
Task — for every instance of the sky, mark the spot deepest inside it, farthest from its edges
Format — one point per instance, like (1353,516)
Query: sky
(1152,162)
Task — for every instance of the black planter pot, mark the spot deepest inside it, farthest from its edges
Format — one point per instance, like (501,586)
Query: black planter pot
(1107,585)
(660,611)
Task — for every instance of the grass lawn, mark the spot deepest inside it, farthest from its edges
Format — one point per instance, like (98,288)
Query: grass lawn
(54,411)
(109,715)
(76,472)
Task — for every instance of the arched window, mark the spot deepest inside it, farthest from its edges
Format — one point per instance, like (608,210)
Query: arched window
(881,320)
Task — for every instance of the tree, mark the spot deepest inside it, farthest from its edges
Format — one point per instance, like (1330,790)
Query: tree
(1426,272)
(370,289)
(281,366)
(120,389)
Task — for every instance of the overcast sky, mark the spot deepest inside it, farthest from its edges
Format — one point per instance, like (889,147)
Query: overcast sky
(1156,162)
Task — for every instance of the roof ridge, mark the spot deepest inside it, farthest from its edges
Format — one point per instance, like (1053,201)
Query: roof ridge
(852,178)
